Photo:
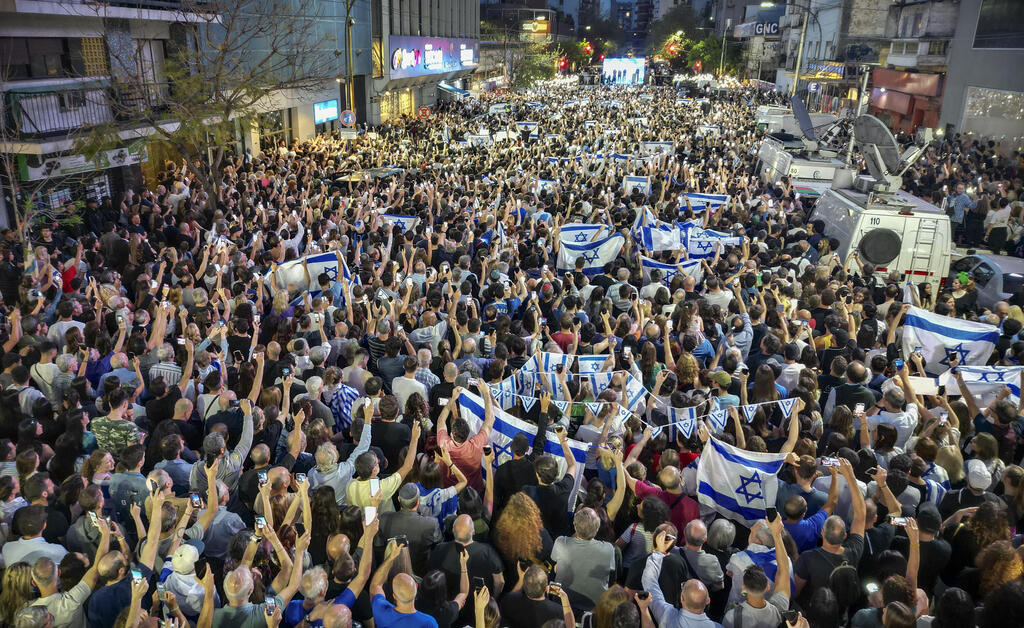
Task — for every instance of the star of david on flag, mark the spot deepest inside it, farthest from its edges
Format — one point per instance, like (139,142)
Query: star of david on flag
(736,483)
(941,337)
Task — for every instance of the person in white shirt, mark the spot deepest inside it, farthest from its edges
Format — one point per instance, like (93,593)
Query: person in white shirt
(404,386)
(790,375)
(32,546)
(68,607)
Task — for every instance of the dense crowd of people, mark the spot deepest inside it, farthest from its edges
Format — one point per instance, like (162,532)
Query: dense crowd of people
(199,430)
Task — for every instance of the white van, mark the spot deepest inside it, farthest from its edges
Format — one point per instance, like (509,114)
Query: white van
(774,119)
(894,231)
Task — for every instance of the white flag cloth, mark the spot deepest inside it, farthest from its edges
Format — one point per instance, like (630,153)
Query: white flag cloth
(507,426)
(736,483)
(579,232)
(985,382)
(654,234)
(939,337)
(700,202)
(594,254)
(669,271)
(405,223)
(291,274)
(701,243)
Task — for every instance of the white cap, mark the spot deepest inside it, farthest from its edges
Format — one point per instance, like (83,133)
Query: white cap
(978,476)
(184,559)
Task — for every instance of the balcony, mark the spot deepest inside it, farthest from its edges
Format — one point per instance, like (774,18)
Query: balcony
(918,54)
(52,110)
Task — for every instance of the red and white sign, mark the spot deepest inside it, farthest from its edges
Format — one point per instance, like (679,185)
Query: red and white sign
(423,112)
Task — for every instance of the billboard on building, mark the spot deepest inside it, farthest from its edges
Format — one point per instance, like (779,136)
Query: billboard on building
(421,56)
(325,111)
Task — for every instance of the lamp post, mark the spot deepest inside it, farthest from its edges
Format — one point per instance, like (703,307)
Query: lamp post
(721,59)
(799,55)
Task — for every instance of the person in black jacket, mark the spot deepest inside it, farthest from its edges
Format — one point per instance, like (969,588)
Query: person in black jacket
(513,474)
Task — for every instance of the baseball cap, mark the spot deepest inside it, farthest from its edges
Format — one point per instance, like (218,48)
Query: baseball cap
(978,476)
(184,559)
(721,378)
(928,518)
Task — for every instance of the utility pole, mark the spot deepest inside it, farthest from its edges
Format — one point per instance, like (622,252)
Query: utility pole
(799,55)
(721,59)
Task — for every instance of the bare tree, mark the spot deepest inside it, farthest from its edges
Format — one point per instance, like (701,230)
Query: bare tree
(225,62)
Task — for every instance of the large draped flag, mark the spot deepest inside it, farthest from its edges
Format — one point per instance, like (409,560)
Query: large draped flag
(291,274)
(579,232)
(669,271)
(594,254)
(940,337)
(985,382)
(405,223)
(505,428)
(654,234)
(700,202)
(736,483)
(701,243)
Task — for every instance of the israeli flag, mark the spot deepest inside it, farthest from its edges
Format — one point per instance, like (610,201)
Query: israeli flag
(654,234)
(985,382)
(341,406)
(579,233)
(700,202)
(718,418)
(701,243)
(550,362)
(587,364)
(939,337)
(594,254)
(599,382)
(636,394)
(535,105)
(669,271)
(291,275)
(656,148)
(737,484)
(528,126)
(507,426)
(405,223)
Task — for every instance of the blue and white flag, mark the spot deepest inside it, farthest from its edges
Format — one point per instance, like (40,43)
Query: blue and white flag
(939,337)
(594,254)
(700,202)
(507,426)
(563,406)
(636,395)
(587,364)
(749,411)
(341,406)
(736,483)
(654,234)
(718,418)
(292,277)
(985,382)
(701,243)
(528,402)
(579,233)
(669,271)
(549,362)
(786,405)
(405,223)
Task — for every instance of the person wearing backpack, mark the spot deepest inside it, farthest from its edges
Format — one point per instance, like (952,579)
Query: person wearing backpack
(840,548)
(764,602)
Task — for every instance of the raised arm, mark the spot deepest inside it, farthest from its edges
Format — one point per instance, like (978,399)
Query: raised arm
(859,509)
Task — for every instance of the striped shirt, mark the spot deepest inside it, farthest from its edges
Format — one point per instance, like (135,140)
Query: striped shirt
(426,377)
(170,371)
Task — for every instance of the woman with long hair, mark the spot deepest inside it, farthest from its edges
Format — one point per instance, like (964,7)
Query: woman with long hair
(16,592)
(606,605)
(986,449)
(519,533)
(997,564)
(323,504)
(986,526)
(649,365)
(432,597)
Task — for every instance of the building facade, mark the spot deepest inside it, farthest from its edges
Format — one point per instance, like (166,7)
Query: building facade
(419,50)
(983,93)
(59,63)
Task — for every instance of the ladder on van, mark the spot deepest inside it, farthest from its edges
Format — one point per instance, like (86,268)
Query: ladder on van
(920,267)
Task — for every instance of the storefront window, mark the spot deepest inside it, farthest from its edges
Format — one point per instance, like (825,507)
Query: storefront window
(995,113)
(275,127)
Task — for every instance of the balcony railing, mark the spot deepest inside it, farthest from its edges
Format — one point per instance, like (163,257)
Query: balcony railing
(40,114)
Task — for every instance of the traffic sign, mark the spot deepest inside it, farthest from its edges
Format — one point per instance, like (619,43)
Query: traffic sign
(348,117)
(423,112)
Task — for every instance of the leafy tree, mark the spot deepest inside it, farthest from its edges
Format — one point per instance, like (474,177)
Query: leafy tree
(529,64)
(232,57)
(679,18)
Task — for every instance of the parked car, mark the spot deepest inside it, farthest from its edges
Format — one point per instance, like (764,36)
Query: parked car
(998,277)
